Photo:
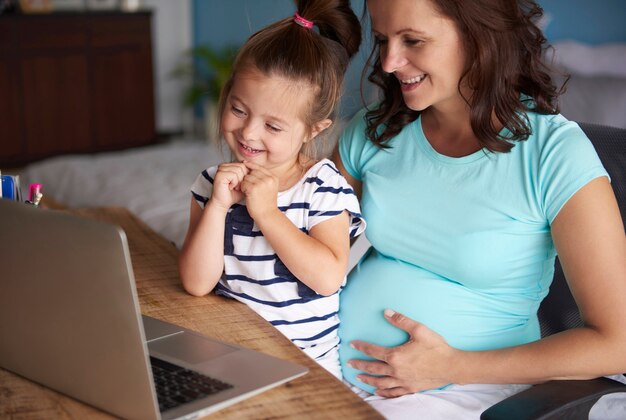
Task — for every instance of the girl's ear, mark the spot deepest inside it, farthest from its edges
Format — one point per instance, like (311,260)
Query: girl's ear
(319,127)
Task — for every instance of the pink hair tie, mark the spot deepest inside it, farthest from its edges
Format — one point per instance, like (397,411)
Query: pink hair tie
(302,21)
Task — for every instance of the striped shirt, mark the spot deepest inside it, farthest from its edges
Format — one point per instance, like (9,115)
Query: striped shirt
(254,275)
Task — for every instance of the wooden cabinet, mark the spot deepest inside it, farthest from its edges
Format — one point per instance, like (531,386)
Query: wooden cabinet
(74,83)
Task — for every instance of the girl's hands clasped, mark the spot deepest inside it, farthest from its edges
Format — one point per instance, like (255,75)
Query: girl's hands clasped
(234,181)
(424,362)
(260,187)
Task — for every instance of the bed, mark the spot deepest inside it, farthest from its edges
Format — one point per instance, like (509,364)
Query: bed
(596,90)
(153,182)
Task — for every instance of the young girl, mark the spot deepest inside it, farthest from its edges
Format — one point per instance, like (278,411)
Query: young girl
(272,228)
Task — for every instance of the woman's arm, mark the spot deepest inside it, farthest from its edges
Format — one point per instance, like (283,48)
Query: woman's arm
(589,236)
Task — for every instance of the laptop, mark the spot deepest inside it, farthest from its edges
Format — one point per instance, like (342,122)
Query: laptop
(70,320)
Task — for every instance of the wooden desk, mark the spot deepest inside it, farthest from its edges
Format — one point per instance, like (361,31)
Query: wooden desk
(315,395)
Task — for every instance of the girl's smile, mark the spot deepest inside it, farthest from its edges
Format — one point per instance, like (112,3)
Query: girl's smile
(248,151)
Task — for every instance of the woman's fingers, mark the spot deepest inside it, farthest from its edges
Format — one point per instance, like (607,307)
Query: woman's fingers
(422,362)
(372,350)
(379,381)
(371,367)
(403,322)
(379,375)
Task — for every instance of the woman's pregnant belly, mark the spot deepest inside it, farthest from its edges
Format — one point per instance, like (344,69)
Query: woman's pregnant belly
(467,319)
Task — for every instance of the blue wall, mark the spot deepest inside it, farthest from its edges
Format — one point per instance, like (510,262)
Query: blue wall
(223,22)
(217,22)
(233,21)
(589,21)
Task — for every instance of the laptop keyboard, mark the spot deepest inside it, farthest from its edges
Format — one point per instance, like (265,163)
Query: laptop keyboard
(176,385)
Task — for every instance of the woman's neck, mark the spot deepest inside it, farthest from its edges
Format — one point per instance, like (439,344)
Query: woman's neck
(450,133)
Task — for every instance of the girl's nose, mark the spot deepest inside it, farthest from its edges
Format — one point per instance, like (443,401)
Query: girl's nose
(392,57)
(250,130)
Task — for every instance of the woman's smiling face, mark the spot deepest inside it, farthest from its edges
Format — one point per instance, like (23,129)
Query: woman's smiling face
(421,48)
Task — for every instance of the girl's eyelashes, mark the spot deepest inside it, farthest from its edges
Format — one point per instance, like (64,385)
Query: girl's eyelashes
(240,113)
(273,128)
(237,111)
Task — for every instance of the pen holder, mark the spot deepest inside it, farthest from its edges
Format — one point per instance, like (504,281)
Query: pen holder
(10,190)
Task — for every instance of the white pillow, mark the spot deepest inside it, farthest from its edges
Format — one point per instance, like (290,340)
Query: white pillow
(591,60)
(599,100)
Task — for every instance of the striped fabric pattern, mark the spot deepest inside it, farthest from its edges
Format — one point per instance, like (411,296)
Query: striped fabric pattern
(254,275)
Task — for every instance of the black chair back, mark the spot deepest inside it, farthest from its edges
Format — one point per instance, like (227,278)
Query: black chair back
(558,311)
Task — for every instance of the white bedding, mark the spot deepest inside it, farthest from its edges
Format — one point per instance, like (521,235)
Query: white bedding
(596,91)
(153,182)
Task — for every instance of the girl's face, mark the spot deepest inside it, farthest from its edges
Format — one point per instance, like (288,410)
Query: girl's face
(422,49)
(262,120)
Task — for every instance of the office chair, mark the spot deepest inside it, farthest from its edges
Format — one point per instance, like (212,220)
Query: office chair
(570,399)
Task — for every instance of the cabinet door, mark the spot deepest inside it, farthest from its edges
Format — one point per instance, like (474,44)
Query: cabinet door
(10,136)
(123,83)
(74,83)
(54,85)
(123,98)
(56,104)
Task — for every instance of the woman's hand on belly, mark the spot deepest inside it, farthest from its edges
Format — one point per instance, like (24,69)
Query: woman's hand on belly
(425,361)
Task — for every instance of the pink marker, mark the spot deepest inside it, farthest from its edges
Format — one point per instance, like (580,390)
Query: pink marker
(33,191)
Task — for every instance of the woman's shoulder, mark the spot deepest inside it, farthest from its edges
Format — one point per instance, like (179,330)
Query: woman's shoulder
(558,146)
(355,146)
(359,116)
(549,131)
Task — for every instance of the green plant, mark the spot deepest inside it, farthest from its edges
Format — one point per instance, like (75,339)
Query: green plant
(207,70)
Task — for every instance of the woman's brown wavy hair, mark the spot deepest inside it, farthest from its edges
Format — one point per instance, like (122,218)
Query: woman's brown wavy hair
(504,69)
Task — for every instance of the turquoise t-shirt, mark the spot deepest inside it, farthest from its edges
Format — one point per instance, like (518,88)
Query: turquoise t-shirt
(461,245)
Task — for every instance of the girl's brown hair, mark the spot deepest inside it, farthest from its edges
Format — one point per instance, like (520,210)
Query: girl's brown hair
(318,57)
(504,70)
